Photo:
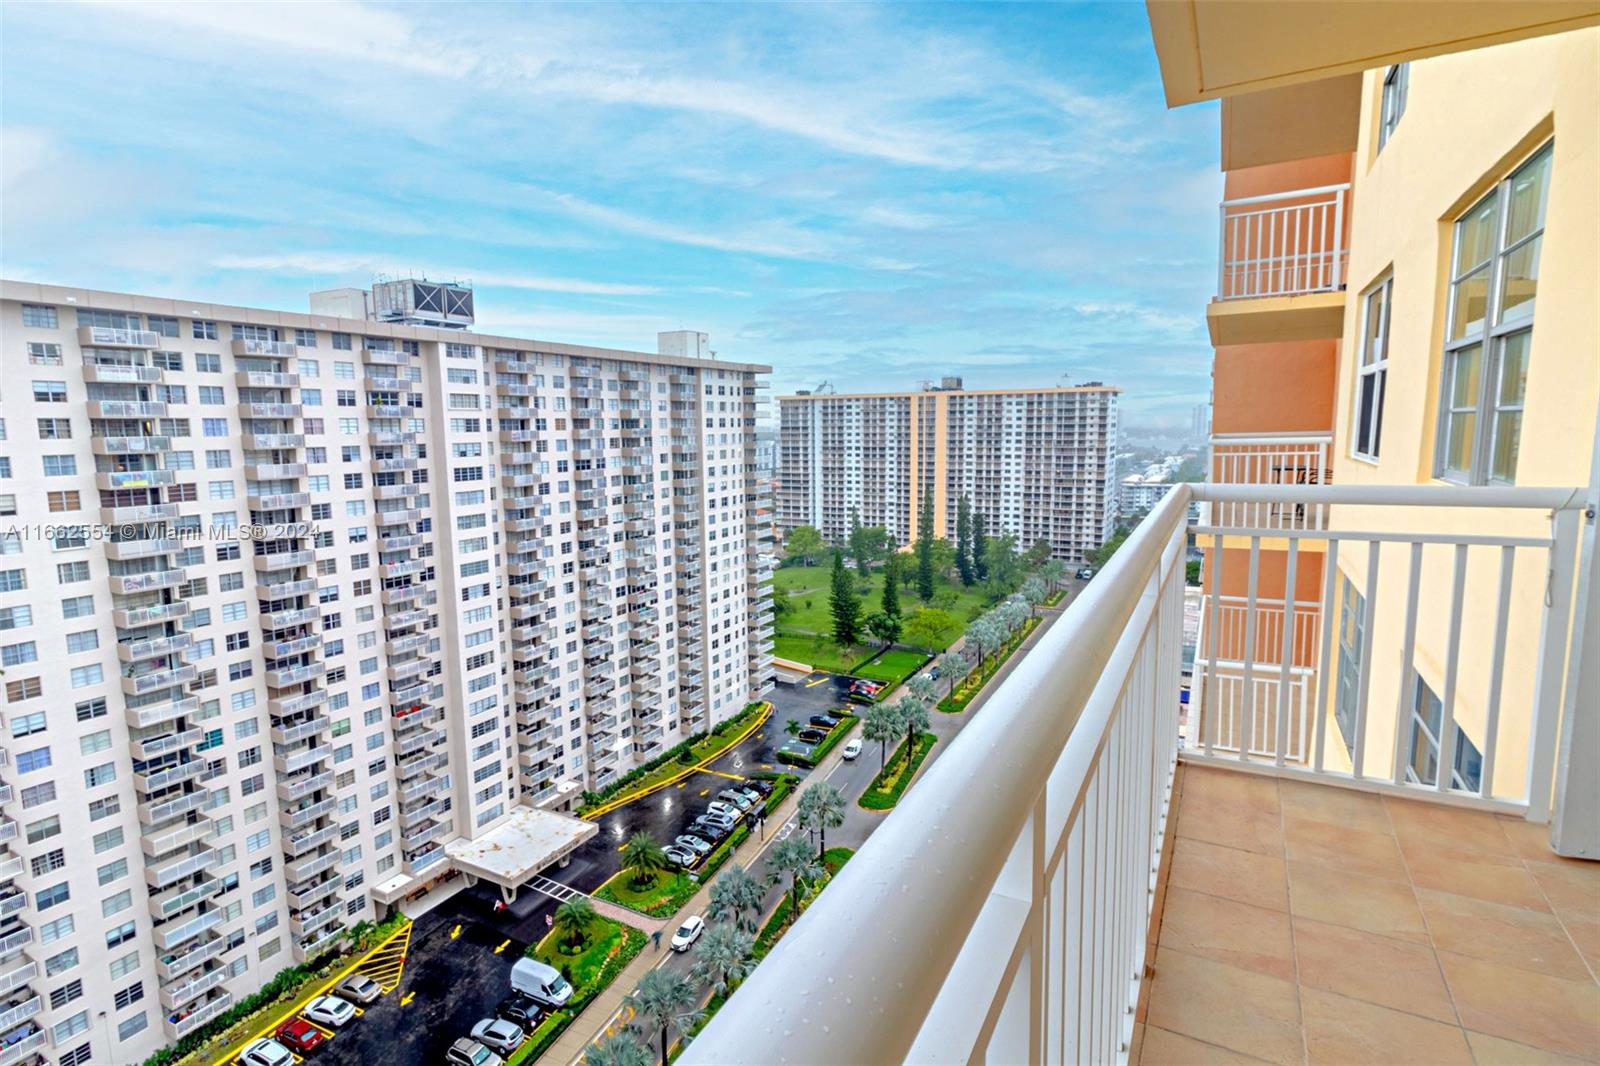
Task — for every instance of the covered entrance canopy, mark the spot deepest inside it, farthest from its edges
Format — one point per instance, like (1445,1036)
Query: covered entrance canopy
(511,853)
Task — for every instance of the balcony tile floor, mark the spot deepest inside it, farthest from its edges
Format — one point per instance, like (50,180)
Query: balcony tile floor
(1305,923)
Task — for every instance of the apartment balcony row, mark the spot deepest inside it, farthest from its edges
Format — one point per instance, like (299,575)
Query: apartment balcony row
(1281,270)
(318,941)
(1388,890)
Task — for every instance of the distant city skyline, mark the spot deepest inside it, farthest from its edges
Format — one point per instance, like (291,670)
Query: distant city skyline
(861,194)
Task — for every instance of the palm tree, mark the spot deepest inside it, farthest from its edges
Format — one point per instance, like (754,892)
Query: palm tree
(955,666)
(1053,571)
(737,896)
(792,858)
(723,958)
(644,857)
(618,1049)
(573,920)
(1033,591)
(922,689)
(983,635)
(664,999)
(821,808)
(882,725)
(914,720)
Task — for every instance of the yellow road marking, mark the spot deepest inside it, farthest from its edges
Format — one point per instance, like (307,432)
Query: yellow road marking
(703,792)
(329,1033)
(455,932)
(503,945)
(360,1011)
(719,773)
(405,1000)
(766,766)
(818,681)
(630,797)
(682,783)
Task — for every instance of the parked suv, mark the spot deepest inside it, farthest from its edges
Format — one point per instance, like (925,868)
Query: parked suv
(468,1052)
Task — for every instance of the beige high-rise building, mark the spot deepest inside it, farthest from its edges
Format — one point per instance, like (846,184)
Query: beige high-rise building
(1036,463)
(290,603)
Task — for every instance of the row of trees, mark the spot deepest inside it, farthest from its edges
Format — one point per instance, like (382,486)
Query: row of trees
(665,999)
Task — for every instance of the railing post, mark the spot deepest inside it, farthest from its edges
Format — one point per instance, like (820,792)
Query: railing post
(1338,240)
(1547,690)
(1575,830)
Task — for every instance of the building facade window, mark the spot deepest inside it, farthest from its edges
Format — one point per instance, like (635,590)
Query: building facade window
(1372,372)
(1494,277)
(1427,720)
(1396,83)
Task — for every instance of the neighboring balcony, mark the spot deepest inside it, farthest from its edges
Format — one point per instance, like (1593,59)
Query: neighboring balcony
(1269,459)
(1086,873)
(1281,274)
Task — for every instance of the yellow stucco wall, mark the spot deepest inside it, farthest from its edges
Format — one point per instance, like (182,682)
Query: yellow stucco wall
(1470,119)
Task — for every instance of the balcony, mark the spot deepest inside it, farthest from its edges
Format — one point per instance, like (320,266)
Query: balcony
(129,445)
(134,617)
(109,337)
(22,1044)
(150,581)
(156,680)
(145,512)
(1131,889)
(1281,274)
(266,349)
(188,1023)
(269,410)
(114,480)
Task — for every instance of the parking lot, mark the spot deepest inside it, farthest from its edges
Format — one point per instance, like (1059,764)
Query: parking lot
(453,974)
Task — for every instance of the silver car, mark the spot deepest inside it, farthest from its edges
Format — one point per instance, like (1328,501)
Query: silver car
(498,1035)
(693,843)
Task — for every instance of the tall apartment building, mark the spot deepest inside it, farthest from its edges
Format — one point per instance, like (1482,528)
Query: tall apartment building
(1038,463)
(289,602)
(1404,298)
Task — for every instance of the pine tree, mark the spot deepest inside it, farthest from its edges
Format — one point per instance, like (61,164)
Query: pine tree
(890,605)
(964,541)
(925,550)
(980,544)
(844,604)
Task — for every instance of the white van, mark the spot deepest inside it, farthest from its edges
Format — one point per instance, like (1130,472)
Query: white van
(541,982)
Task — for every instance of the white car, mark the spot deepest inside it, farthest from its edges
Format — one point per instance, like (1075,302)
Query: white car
(688,933)
(330,1011)
(266,1053)
(738,799)
(498,1035)
(852,749)
(693,843)
(726,810)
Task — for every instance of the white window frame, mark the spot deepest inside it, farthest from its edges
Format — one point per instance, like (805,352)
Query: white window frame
(1392,101)
(1372,361)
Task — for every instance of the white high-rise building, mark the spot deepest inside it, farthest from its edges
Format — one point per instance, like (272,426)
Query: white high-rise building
(1036,463)
(291,602)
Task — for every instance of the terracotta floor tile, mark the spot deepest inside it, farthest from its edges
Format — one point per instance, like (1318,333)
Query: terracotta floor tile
(1527,839)
(1516,936)
(1238,1009)
(1493,1051)
(1165,1048)
(1428,821)
(1231,787)
(1388,908)
(1242,827)
(1466,872)
(1225,930)
(1220,871)
(1343,1030)
(1375,969)
(1573,888)
(1341,806)
(1530,1008)
(1351,850)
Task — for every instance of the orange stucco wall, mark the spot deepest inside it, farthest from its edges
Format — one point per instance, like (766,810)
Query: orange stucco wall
(1282,177)
(1284,387)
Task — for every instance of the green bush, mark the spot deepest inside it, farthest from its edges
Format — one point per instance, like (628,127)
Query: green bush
(847,722)
(892,781)
(714,861)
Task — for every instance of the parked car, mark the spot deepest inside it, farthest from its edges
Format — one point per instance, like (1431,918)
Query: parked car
(688,933)
(933,674)
(499,1035)
(693,843)
(751,794)
(299,1036)
(681,856)
(760,784)
(358,989)
(266,1053)
(852,749)
(824,721)
(735,797)
(813,736)
(1084,573)
(726,809)
(712,829)
(468,1052)
(540,982)
(724,822)
(521,1010)
(330,1011)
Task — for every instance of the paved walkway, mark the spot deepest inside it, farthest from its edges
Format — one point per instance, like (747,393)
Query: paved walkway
(858,825)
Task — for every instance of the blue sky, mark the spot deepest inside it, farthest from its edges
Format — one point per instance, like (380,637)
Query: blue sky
(864,194)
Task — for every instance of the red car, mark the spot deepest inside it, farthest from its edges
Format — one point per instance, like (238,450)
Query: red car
(300,1036)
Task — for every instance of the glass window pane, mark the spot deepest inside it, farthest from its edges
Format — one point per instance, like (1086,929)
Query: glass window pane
(1521,281)
(1507,435)
(1475,235)
(1372,348)
(1526,198)
(1464,376)
(1513,383)
(1472,303)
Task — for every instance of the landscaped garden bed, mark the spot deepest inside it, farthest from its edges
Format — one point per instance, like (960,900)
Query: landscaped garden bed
(893,666)
(607,948)
(973,683)
(892,781)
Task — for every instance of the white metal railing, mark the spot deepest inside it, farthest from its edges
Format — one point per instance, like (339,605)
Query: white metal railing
(1001,913)
(1278,459)
(1283,244)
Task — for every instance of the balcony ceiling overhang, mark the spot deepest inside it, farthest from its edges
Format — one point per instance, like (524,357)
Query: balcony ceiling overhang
(1212,49)
(1266,319)
(1300,121)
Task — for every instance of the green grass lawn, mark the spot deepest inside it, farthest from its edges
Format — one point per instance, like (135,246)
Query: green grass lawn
(893,666)
(662,896)
(605,938)
(804,631)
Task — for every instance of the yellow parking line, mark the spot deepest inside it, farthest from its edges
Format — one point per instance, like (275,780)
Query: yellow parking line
(818,681)
(682,783)
(719,773)
(329,1033)
(703,792)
